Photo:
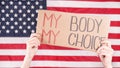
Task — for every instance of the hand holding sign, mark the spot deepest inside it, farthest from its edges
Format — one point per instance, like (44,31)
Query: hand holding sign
(32,48)
(105,53)
(72,30)
(32,44)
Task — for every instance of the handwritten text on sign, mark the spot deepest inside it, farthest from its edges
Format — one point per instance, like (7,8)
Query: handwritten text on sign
(72,30)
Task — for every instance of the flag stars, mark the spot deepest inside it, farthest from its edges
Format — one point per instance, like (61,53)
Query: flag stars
(7,15)
(36,2)
(11,2)
(3,27)
(24,15)
(7,31)
(15,7)
(28,3)
(32,7)
(33,31)
(32,15)
(20,19)
(15,15)
(24,31)
(20,27)
(16,23)
(11,19)
(11,11)
(3,19)
(24,23)
(28,27)
(36,19)
(28,11)
(20,11)
(16,31)
(36,11)
(3,2)
(7,7)
(41,7)
(11,27)
(7,23)
(28,19)
(24,7)
(20,3)
(32,23)
(3,11)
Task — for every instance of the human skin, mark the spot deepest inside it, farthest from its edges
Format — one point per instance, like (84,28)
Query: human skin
(32,47)
(105,52)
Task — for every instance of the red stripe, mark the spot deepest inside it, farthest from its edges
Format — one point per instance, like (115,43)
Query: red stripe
(91,0)
(87,10)
(43,46)
(12,46)
(114,36)
(55,67)
(64,67)
(50,67)
(115,23)
(116,47)
(57,58)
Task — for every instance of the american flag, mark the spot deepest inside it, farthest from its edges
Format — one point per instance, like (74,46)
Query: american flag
(18,21)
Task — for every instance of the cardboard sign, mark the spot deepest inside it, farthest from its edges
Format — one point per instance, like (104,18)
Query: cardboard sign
(79,31)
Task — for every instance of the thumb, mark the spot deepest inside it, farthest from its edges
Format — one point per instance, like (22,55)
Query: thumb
(106,43)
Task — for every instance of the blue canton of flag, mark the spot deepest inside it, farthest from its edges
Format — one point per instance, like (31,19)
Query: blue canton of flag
(18,17)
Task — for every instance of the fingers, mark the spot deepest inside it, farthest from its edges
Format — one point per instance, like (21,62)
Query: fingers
(35,35)
(33,41)
(105,49)
(106,43)
(104,55)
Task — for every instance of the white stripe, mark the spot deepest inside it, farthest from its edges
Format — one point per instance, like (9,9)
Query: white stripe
(12,40)
(54,52)
(112,17)
(18,40)
(85,4)
(15,64)
(71,64)
(114,30)
(115,41)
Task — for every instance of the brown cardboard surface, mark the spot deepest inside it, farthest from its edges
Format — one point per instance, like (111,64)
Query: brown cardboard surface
(73,30)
